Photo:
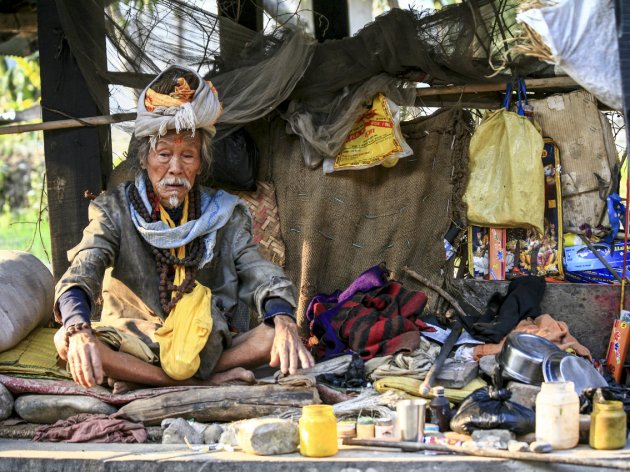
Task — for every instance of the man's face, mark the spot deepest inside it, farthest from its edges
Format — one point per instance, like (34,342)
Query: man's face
(173,165)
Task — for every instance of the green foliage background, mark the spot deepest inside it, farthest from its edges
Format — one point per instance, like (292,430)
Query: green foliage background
(23,228)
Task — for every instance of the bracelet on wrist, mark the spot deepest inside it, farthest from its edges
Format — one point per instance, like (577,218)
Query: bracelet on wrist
(75,328)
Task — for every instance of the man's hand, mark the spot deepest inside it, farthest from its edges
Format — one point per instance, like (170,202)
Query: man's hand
(84,359)
(287,349)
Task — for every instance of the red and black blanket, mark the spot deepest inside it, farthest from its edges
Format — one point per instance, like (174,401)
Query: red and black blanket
(379,318)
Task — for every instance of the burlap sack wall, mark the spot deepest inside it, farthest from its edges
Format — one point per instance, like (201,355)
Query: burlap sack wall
(336,226)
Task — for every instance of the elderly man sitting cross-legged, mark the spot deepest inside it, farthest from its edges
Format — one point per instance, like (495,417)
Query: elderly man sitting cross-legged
(182,257)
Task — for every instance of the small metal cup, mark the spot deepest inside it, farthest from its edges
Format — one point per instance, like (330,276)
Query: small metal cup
(410,419)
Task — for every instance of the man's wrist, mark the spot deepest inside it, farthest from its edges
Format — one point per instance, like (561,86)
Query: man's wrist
(276,306)
(283,317)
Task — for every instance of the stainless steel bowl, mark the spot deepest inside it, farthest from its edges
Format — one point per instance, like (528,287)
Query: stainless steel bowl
(522,355)
(563,367)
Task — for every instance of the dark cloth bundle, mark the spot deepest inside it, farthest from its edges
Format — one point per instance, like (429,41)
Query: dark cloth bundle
(504,312)
(97,428)
(372,318)
(353,378)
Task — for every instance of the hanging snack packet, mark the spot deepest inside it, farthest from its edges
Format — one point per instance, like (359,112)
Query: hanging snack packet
(374,139)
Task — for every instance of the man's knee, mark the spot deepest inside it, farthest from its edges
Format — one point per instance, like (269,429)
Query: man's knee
(60,343)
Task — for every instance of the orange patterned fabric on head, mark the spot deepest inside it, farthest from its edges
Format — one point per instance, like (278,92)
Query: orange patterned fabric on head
(182,94)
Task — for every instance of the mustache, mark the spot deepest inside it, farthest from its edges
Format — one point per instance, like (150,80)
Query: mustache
(175,181)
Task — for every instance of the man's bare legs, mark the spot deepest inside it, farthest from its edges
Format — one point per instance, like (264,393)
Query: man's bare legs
(127,368)
(250,349)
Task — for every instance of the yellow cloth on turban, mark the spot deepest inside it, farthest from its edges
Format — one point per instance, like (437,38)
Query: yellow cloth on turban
(182,94)
(188,325)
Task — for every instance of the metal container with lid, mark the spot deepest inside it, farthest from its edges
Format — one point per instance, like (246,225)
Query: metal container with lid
(522,356)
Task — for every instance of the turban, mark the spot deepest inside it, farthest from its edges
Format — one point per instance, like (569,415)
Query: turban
(183,109)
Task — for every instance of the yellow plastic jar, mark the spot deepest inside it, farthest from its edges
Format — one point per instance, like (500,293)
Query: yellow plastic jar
(318,431)
(608,426)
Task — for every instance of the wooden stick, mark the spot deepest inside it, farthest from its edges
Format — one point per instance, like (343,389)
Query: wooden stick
(618,462)
(552,82)
(447,347)
(73,123)
(443,293)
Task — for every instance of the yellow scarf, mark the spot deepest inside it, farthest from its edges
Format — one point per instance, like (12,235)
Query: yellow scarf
(188,325)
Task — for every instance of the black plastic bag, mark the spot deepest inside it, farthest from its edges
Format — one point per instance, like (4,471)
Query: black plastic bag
(490,408)
(235,162)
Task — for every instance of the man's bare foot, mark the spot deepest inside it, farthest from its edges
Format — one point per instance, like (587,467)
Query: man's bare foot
(119,387)
(235,376)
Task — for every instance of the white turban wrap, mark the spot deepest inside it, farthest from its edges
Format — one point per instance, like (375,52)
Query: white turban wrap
(201,112)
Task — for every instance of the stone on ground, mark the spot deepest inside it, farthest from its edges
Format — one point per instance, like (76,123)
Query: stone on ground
(492,438)
(6,403)
(48,409)
(268,436)
(175,430)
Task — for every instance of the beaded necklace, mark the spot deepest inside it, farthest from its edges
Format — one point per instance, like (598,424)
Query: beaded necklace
(164,260)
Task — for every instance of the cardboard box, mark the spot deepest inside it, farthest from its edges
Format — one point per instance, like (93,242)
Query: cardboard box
(618,348)
(581,265)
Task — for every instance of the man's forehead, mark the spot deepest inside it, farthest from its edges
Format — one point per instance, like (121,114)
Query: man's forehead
(184,137)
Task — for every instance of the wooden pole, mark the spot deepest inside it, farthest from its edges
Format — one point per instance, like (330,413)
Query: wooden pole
(72,123)
(532,84)
(75,158)
(617,462)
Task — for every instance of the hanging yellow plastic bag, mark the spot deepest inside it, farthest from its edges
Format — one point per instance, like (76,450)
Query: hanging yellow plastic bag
(506,185)
(375,139)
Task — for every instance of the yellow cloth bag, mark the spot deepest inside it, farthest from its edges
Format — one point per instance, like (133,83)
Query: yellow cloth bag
(506,185)
(188,325)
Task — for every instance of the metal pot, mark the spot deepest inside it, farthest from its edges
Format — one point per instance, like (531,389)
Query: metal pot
(522,356)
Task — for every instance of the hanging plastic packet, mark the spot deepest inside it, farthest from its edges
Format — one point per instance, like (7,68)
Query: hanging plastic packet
(506,186)
(375,139)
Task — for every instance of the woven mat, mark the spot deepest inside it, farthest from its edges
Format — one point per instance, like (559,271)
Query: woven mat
(264,209)
(34,357)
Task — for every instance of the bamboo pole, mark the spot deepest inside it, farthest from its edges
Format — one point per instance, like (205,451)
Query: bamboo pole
(72,123)
(532,84)
(617,462)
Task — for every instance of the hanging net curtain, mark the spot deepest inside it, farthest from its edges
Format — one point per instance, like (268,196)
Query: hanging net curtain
(318,88)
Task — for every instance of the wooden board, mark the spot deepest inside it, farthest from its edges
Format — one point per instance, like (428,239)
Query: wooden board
(229,403)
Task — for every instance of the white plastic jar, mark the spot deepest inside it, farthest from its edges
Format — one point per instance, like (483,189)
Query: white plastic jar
(558,415)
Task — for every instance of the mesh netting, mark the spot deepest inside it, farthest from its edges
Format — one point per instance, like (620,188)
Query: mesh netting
(123,45)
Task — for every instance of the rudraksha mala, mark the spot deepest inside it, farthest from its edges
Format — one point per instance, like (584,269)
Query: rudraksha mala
(164,260)
(74,329)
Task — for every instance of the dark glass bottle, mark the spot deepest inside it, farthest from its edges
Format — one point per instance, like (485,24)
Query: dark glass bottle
(440,410)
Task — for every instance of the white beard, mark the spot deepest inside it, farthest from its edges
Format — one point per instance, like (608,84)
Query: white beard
(173,201)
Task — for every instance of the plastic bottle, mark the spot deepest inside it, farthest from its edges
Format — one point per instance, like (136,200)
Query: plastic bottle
(608,425)
(318,431)
(440,410)
(558,415)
